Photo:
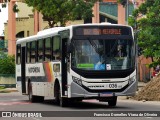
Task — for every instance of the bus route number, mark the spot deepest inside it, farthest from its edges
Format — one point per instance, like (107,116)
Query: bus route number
(113,85)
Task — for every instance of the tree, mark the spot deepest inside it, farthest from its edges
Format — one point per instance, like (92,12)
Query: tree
(61,11)
(122,2)
(149,29)
(7,64)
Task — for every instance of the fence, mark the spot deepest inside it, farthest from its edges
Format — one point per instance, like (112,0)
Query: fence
(4,45)
(8,80)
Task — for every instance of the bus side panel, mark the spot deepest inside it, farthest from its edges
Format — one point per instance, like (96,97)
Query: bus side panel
(42,77)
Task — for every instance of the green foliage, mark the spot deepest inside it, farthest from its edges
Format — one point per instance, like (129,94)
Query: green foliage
(135,13)
(61,11)
(2,87)
(122,2)
(15,8)
(3,5)
(131,21)
(7,64)
(143,8)
(149,27)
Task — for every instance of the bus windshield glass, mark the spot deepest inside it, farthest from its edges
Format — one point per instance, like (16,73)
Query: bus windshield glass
(103,54)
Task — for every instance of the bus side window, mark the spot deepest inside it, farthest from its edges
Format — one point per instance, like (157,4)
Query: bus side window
(40,50)
(33,52)
(28,53)
(56,48)
(48,49)
(18,55)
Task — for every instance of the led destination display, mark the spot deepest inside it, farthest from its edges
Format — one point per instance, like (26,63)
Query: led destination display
(108,30)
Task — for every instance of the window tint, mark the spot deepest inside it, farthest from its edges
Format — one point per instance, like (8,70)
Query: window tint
(33,52)
(56,48)
(18,60)
(40,50)
(44,50)
(47,49)
(28,53)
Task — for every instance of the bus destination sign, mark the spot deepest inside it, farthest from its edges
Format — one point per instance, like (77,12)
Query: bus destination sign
(102,31)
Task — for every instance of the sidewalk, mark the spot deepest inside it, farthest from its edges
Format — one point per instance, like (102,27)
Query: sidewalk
(141,85)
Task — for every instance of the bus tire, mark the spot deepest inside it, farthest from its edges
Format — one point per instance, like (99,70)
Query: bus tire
(63,102)
(58,99)
(113,101)
(40,98)
(57,93)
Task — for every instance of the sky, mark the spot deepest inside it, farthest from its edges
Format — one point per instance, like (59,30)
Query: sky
(3,17)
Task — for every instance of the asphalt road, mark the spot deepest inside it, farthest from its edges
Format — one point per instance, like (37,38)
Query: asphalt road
(91,109)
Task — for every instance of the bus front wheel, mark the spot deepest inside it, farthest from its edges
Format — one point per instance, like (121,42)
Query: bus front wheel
(113,101)
(59,100)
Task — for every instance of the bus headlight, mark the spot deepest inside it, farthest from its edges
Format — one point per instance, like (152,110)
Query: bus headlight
(131,80)
(77,80)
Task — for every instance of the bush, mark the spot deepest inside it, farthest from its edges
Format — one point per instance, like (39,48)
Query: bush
(7,64)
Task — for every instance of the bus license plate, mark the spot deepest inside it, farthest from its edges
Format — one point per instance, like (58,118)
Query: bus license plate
(106,94)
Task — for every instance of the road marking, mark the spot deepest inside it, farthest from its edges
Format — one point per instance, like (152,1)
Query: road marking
(14,103)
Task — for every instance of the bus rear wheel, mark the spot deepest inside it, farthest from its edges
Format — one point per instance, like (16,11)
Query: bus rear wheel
(113,101)
(33,98)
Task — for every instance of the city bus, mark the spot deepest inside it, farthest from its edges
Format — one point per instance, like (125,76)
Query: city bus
(77,62)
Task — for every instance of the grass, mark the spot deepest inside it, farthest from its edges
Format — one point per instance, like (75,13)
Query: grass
(2,87)
(2,90)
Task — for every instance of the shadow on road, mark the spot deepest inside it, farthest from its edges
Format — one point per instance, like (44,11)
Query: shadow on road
(72,105)
(86,105)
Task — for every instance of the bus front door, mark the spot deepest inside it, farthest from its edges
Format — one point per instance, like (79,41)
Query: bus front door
(64,66)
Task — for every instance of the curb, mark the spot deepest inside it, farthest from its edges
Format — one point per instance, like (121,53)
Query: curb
(8,90)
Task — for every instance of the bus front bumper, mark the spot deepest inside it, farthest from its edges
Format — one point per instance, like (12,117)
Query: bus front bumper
(78,91)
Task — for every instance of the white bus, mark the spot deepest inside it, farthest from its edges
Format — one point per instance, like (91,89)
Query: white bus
(88,61)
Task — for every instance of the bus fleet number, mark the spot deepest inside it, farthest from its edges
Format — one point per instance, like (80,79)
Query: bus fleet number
(113,85)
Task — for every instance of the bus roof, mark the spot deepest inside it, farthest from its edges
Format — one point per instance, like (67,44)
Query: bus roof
(55,30)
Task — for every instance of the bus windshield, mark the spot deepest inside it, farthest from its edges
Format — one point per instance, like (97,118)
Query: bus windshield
(103,54)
